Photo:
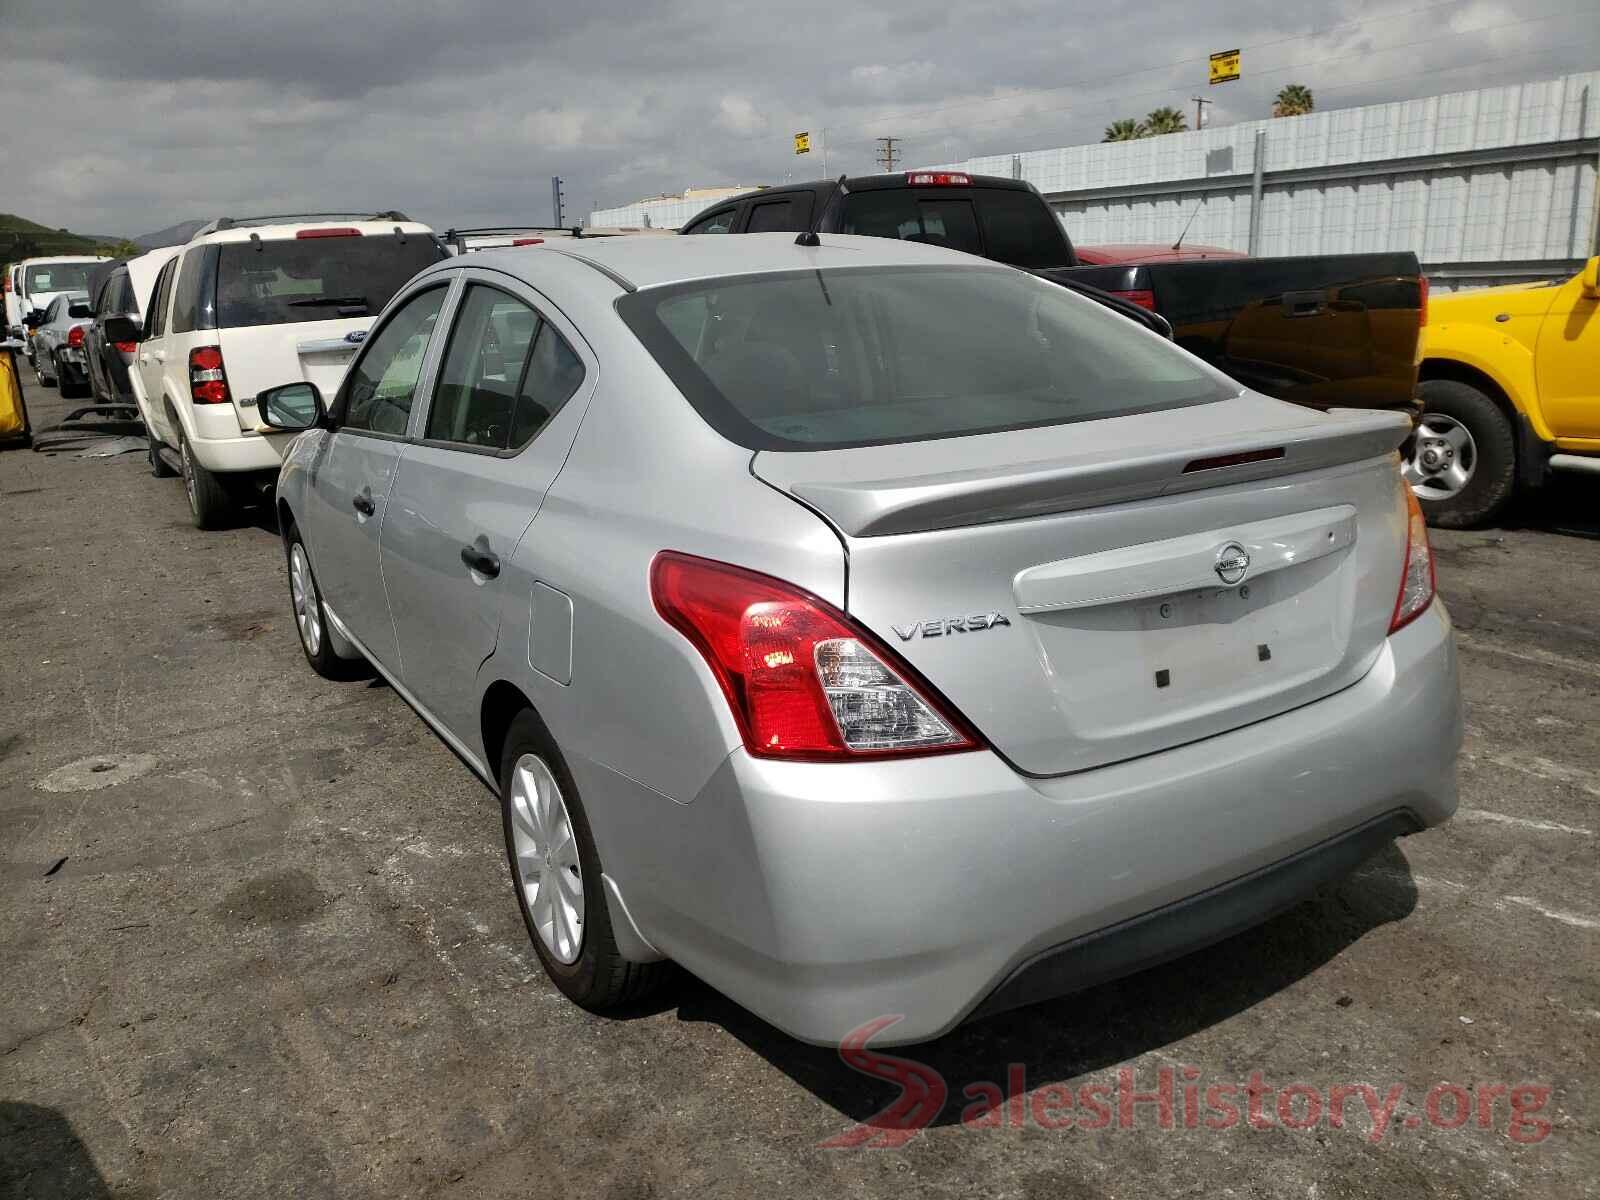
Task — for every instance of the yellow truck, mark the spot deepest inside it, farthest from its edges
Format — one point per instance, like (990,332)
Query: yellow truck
(1510,380)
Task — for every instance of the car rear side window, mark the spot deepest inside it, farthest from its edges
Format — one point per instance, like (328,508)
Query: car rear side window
(774,216)
(506,373)
(1019,228)
(913,217)
(383,383)
(194,295)
(872,355)
(288,281)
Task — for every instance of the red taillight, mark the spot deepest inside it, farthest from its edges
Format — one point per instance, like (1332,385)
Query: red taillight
(75,336)
(1144,298)
(937,179)
(527,241)
(126,347)
(804,681)
(208,380)
(1416,576)
(1422,313)
(339,231)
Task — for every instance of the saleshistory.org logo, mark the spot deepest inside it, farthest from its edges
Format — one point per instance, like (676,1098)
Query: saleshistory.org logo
(1178,1098)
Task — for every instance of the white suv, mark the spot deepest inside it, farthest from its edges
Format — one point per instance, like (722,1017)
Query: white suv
(246,304)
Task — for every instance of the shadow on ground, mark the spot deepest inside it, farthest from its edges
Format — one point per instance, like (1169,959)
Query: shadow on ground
(41,1157)
(1076,1035)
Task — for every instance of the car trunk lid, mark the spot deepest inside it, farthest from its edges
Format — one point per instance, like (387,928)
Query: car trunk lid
(1092,592)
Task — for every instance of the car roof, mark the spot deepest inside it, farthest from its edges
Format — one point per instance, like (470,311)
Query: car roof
(61,258)
(286,230)
(646,262)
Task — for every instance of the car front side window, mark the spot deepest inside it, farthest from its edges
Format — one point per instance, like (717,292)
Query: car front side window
(383,384)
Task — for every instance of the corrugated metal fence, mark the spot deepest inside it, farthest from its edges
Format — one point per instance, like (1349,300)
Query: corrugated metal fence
(1487,186)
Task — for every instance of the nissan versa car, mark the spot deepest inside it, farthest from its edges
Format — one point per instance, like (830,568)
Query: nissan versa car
(868,628)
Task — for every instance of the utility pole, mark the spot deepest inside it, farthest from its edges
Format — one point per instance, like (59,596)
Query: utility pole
(887,153)
(1200,103)
(555,201)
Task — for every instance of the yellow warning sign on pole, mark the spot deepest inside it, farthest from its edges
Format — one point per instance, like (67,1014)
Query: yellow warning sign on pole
(1224,66)
(802,143)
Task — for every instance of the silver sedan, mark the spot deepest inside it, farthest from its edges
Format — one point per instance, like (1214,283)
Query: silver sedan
(873,630)
(58,357)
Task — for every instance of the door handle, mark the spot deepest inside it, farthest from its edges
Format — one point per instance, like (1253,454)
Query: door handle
(362,502)
(159,355)
(481,559)
(1304,304)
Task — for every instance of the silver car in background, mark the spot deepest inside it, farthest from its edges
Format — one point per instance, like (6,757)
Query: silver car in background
(870,629)
(58,356)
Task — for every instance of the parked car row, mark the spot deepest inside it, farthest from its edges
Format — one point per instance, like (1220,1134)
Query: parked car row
(865,626)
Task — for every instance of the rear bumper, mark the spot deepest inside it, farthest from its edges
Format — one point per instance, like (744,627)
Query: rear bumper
(937,888)
(219,446)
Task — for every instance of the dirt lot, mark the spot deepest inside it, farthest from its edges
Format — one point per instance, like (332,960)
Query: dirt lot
(259,940)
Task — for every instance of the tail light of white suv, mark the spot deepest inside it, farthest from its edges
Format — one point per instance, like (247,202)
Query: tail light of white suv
(804,681)
(208,378)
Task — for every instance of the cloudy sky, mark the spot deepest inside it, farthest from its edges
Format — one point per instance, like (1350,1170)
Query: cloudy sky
(141,113)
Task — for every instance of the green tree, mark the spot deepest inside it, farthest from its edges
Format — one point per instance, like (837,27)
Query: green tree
(122,249)
(1293,100)
(1125,130)
(1165,120)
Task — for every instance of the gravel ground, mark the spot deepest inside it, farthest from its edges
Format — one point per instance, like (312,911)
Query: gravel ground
(258,938)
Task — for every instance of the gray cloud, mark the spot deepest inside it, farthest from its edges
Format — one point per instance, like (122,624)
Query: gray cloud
(149,111)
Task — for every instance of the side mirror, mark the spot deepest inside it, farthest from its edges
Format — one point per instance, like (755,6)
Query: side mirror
(293,406)
(34,319)
(123,329)
(1591,278)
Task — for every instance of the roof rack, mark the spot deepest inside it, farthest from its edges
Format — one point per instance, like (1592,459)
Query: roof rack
(221,223)
(457,237)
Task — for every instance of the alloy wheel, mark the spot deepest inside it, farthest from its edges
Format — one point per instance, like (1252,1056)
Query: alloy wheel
(307,616)
(1443,458)
(545,855)
(188,477)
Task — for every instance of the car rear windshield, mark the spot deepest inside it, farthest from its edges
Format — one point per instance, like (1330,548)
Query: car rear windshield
(314,279)
(59,277)
(861,356)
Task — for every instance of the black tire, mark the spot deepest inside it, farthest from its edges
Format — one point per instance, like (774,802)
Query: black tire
(600,979)
(158,465)
(210,505)
(71,389)
(320,655)
(1494,444)
(46,381)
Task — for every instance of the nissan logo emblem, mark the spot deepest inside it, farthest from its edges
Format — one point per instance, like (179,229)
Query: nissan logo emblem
(1232,563)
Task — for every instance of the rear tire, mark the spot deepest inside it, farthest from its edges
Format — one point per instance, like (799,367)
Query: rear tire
(1489,440)
(210,506)
(586,964)
(71,389)
(47,381)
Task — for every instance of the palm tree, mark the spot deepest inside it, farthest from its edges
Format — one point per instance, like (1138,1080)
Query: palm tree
(1293,100)
(1125,130)
(1165,120)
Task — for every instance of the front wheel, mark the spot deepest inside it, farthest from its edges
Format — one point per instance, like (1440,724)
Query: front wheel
(1463,459)
(45,380)
(555,869)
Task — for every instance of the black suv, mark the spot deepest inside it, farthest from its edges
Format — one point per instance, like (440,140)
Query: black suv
(1003,219)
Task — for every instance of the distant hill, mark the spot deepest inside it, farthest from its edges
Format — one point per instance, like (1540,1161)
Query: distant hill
(21,238)
(172,235)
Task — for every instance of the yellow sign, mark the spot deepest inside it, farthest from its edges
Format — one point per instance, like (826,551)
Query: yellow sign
(1224,66)
(802,143)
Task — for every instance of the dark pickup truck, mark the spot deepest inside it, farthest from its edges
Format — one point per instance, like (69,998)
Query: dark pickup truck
(1327,331)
